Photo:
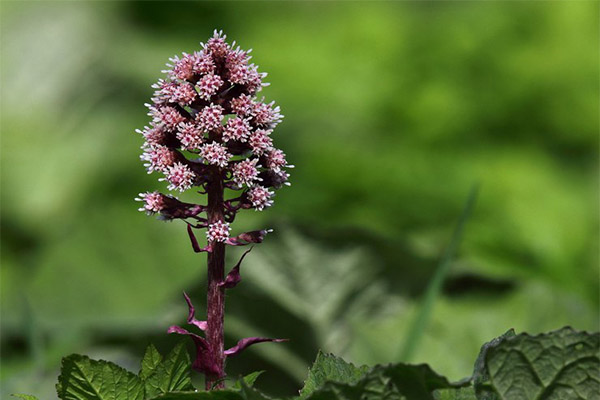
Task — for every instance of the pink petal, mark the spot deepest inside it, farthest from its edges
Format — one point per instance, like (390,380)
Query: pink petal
(233,277)
(243,343)
(192,313)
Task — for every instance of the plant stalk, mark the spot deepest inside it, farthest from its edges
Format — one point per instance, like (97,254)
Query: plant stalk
(215,295)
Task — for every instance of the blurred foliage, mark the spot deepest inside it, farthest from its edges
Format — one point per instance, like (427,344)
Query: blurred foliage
(393,110)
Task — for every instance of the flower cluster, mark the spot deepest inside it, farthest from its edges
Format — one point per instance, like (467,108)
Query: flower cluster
(210,131)
(207,122)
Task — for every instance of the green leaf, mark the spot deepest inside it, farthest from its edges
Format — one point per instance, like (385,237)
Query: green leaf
(395,381)
(248,379)
(151,360)
(171,374)
(246,393)
(563,364)
(84,379)
(467,393)
(329,368)
(24,396)
(201,395)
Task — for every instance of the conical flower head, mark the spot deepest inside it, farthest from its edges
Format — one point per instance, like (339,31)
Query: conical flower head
(207,122)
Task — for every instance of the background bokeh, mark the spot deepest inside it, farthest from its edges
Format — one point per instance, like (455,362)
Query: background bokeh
(393,111)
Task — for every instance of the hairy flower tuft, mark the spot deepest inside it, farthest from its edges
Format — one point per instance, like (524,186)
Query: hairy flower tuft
(180,177)
(242,105)
(210,118)
(153,202)
(190,136)
(209,85)
(236,129)
(260,197)
(215,154)
(218,232)
(246,172)
(159,158)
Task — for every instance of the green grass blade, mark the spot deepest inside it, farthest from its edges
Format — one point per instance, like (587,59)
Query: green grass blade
(419,324)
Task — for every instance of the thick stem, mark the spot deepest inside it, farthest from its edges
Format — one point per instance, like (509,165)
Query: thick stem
(216,274)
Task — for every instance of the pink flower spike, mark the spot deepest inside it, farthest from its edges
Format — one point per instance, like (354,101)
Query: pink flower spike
(215,154)
(218,232)
(244,343)
(191,314)
(209,85)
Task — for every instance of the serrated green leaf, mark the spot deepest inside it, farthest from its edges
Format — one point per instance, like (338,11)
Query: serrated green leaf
(24,396)
(395,381)
(170,375)
(329,368)
(201,395)
(248,379)
(564,364)
(250,393)
(151,360)
(84,379)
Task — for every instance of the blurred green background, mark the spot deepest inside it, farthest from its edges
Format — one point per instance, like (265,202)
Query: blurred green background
(393,111)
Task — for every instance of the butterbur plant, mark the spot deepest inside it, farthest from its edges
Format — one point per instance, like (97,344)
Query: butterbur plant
(210,132)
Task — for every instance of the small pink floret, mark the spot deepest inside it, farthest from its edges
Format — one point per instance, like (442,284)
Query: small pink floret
(209,85)
(180,177)
(260,197)
(218,232)
(190,136)
(159,158)
(210,118)
(236,129)
(276,160)
(153,202)
(215,154)
(246,172)
(260,141)
(242,105)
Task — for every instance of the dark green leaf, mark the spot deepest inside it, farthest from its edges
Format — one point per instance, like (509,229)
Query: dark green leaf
(467,393)
(329,368)
(396,381)
(563,364)
(248,379)
(171,374)
(85,379)
(151,360)
(201,395)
